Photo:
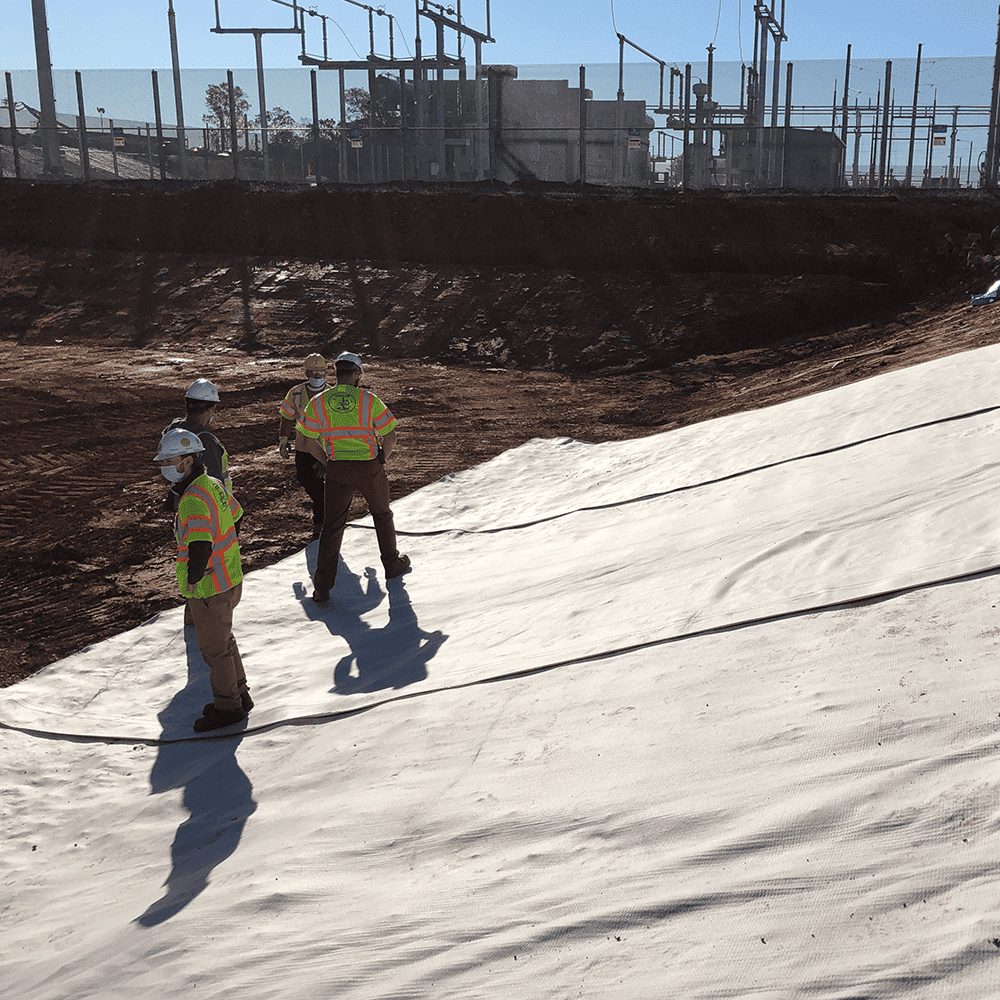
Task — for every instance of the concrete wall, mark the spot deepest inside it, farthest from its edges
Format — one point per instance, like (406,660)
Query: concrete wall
(537,135)
(809,159)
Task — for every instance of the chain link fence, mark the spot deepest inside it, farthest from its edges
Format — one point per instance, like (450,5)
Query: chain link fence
(503,129)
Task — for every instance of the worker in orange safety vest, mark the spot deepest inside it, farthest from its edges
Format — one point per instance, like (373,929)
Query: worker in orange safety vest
(209,572)
(309,471)
(353,433)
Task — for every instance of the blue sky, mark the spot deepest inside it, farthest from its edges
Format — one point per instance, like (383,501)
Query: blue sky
(133,33)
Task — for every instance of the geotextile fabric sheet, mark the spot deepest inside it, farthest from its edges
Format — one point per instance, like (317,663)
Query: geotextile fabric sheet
(562,550)
(709,714)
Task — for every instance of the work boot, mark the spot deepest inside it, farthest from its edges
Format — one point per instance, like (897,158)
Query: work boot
(219,720)
(396,566)
(321,596)
(245,700)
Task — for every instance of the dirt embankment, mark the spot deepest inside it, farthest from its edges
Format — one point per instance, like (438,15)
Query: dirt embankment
(487,317)
(552,279)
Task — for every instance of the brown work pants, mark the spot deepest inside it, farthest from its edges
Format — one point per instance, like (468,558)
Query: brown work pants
(343,480)
(213,623)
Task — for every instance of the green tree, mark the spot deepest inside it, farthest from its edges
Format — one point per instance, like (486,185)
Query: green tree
(217,99)
(357,103)
(281,127)
(329,129)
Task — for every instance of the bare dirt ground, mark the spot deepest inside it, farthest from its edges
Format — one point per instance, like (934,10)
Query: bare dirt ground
(99,345)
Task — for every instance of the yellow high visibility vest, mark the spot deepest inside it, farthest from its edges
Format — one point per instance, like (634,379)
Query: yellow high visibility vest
(293,406)
(348,421)
(207,513)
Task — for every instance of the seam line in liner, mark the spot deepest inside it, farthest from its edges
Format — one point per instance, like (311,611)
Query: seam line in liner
(690,486)
(322,717)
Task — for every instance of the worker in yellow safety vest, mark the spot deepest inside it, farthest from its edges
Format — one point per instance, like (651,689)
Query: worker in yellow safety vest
(352,432)
(209,572)
(309,471)
(200,401)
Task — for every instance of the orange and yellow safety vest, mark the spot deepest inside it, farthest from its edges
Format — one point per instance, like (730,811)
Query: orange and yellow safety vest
(348,421)
(206,513)
(293,406)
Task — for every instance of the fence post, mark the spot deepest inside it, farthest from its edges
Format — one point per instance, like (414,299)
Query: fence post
(315,125)
(159,125)
(81,127)
(233,138)
(583,126)
(686,149)
(883,163)
(114,146)
(783,180)
(342,166)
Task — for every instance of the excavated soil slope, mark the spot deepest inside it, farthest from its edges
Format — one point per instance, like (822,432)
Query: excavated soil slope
(488,317)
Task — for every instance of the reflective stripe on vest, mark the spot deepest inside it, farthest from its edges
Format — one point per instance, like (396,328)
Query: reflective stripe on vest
(224,570)
(293,406)
(342,418)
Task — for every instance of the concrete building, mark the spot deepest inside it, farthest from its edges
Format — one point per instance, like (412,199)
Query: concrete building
(518,130)
(536,127)
(788,158)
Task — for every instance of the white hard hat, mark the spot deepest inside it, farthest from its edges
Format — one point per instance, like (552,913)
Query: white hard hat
(204,390)
(179,442)
(347,358)
(315,362)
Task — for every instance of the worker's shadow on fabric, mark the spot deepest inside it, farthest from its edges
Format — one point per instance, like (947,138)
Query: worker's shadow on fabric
(393,656)
(217,794)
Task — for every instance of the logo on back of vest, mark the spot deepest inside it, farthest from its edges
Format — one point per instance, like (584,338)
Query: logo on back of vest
(345,404)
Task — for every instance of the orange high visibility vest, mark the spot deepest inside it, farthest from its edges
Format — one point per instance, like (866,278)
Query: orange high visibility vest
(207,512)
(348,421)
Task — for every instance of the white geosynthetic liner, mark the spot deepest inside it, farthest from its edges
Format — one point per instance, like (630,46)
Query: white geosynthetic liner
(804,806)
(561,550)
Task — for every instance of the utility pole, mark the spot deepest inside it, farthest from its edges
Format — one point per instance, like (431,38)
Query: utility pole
(766,24)
(257,33)
(847,82)
(178,100)
(990,165)
(883,154)
(777,63)
(46,93)
(913,120)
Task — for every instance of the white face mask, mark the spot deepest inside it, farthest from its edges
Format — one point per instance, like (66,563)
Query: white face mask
(317,383)
(171,473)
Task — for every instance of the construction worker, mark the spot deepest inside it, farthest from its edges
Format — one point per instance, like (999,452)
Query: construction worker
(209,572)
(308,470)
(200,401)
(353,433)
